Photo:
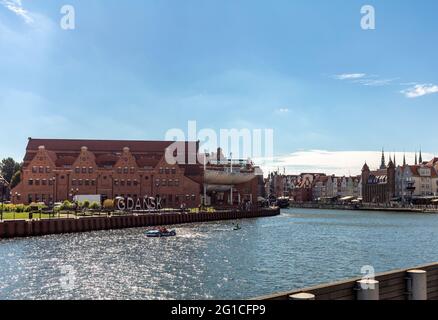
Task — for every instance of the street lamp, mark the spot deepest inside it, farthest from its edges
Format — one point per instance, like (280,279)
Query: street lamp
(3,203)
(17,197)
(205,186)
(231,171)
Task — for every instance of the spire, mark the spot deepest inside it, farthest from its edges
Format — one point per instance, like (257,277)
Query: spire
(395,164)
(416,161)
(404,160)
(383,165)
(390,163)
(421,158)
(365,167)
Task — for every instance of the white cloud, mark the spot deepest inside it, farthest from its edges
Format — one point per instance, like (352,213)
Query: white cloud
(375,82)
(415,90)
(420,90)
(349,76)
(364,79)
(333,162)
(16,6)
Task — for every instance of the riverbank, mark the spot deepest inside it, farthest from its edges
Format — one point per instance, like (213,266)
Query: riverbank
(41,227)
(362,208)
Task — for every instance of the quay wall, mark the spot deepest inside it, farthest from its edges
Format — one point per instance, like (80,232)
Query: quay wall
(31,228)
(393,285)
(328,206)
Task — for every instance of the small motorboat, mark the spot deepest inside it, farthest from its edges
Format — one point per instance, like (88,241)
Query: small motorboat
(237,227)
(283,202)
(160,233)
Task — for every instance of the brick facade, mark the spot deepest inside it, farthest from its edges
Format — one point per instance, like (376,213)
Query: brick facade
(55,172)
(378,186)
(58,170)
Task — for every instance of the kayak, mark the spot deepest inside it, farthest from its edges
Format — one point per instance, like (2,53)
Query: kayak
(159,234)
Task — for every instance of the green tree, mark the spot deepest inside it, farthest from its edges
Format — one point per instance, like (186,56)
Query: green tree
(16,179)
(95,205)
(66,205)
(85,204)
(8,167)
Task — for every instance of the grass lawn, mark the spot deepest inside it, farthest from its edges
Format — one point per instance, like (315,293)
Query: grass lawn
(25,216)
(22,216)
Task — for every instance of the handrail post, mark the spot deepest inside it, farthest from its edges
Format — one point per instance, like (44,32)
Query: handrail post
(418,284)
(368,289)
(303,296)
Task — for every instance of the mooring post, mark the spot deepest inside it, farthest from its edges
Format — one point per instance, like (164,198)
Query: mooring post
(367,289)
(302,296)
(418,284)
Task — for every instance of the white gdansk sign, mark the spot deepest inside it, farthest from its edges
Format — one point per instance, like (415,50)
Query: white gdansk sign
(147,203)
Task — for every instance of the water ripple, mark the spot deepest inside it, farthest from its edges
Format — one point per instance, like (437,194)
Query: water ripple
(211,261)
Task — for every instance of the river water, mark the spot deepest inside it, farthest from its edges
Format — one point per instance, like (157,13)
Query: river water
(299,248)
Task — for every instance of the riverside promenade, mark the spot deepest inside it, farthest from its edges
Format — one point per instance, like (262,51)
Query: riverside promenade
(417,283)
(338,206)
(41,227)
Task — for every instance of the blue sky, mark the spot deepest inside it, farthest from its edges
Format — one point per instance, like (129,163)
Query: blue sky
(134,69)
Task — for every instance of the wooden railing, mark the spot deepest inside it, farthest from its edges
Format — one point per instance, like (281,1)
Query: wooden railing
(394,285)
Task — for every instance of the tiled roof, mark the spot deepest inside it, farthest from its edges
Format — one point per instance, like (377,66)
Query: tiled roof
(147,162)
(377,179)
(58,145)
(65,151)
(380,172)
(432,162)
(414,169)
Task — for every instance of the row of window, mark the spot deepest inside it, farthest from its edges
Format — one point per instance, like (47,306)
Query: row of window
(125,170)
(167,170)
(84,170)
(90,170)
(86,182)
(43,182)
(167,183)
(81,182)
(41,169)
(127,183)
(46,198)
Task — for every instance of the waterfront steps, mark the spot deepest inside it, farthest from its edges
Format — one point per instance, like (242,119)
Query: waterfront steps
(30,228)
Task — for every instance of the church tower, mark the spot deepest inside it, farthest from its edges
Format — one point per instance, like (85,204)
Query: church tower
(382,164)
(365,176)
(391,180)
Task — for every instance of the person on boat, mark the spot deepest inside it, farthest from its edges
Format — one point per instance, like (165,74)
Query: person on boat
(163,230)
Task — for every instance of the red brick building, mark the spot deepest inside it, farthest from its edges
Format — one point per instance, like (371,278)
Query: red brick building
(57,170)
(378,186)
